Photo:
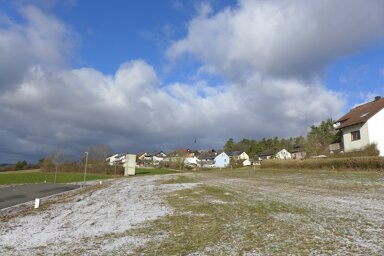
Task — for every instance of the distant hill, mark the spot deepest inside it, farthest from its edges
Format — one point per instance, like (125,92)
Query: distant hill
(1,165)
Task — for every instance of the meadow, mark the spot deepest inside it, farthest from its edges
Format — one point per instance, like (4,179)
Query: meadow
(272,212)
(227,212)
(37,176)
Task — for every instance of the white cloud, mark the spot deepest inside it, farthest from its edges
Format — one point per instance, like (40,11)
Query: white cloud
(270,54)
(73,108)
(43,40)
(294,38)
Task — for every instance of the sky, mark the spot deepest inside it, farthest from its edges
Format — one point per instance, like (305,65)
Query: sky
(159,75)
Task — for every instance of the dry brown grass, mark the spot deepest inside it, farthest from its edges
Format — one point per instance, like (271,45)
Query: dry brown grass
(352,163)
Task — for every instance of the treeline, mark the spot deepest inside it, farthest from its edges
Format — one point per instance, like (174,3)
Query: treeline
(21,165)
(316,142)
(95,156)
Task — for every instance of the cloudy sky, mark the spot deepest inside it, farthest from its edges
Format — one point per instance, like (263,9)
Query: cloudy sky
(148,75)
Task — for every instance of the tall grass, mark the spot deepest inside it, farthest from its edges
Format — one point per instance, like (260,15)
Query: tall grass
(351,163)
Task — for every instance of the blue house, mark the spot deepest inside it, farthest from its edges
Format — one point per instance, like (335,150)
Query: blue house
(221,160)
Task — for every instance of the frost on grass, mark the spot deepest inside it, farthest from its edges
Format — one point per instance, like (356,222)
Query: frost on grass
(92,222)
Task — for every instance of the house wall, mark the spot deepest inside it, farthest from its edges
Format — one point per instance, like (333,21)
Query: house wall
(244,156)
(350,145)
(190,160)
(157,159)
(298,155)
(112,159)
(246,162)
(375,129)
(221,160)
(283,154)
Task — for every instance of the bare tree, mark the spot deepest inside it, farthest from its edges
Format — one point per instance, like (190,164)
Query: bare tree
(98,155)
(57,159)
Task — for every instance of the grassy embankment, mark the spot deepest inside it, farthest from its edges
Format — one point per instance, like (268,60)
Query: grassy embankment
(368,163)
(36,176)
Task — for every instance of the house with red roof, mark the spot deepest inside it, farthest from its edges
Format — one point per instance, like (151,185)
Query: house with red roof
(363,125)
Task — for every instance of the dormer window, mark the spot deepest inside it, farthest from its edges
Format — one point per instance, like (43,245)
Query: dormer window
(355,135)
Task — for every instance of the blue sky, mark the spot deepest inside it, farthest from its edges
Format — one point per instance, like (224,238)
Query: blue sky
(150,75)
(358,76)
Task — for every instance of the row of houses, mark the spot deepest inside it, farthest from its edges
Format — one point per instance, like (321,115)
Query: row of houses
(202,158)
(199,158)
(206,158)
(360,127)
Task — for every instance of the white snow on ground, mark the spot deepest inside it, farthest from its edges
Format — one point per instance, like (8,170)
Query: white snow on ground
(117,208)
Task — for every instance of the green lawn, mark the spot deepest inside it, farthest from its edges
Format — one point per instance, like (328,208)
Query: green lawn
(36,176)
(153,171)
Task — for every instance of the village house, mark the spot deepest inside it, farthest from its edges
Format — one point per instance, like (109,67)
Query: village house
(283,155)
(362,126)
(155,157)
(239,156)
(191,161)
(116,159)
(206,157)
(221,160)
(141,156)
(297,153)
(266,154)
(179,155)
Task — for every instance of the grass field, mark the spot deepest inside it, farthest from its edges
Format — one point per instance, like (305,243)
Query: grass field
(21,177)
(153,171)
(271,212)
(36,176)
(229,212)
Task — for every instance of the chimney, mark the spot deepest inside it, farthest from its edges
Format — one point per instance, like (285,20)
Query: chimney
(377,98)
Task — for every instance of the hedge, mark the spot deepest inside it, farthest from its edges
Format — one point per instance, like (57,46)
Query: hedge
(353,163)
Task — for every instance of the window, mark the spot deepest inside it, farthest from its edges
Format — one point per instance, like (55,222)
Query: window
(355,135)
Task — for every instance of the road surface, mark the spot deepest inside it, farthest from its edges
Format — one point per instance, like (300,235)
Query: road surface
(17,194)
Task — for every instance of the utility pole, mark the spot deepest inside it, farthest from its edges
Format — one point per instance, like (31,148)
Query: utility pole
(54,182)
(85,169)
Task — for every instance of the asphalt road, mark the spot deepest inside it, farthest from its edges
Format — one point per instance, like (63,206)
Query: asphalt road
(13,195)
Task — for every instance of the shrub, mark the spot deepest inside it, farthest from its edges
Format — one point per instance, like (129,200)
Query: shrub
(351,163)
(370,150)
(177,165)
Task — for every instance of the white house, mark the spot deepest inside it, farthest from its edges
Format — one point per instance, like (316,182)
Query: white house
(266,154)
(363,125)
(192,160)
(246,162)
(283,154)
(221,160)
(159,157)
(111,159)
(116,159)
(155,157)
(238,155)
